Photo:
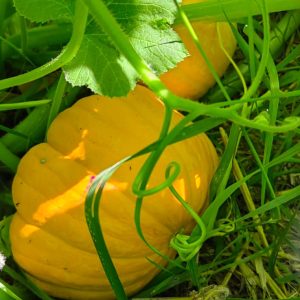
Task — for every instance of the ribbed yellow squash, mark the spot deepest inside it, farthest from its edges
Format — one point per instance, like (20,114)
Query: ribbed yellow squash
(49,236)
(192,78)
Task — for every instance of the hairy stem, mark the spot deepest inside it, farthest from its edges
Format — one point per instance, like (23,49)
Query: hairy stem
(108,23)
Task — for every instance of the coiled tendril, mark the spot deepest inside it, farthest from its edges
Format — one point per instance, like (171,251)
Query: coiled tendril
(186,246)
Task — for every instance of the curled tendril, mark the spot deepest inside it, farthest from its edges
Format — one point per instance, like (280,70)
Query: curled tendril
(141,191)
(167,183)
(225,226)
(185,249)
(186,246)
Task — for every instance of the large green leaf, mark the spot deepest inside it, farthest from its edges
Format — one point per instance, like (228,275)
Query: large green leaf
(45,10)
(98,64)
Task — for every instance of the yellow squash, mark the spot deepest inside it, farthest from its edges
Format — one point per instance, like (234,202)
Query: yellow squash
(49,236)
(192,78)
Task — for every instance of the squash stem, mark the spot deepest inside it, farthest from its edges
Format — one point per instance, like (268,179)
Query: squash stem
(81,13)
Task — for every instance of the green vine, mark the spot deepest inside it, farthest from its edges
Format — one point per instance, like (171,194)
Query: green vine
(69,52)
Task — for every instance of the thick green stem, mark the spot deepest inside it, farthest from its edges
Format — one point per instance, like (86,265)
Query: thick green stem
(108,23)
(66,55)
(234,9)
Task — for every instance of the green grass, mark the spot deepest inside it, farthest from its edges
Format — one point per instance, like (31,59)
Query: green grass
(246,244)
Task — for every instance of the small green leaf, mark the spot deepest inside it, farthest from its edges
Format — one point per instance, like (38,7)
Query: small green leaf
(45,10)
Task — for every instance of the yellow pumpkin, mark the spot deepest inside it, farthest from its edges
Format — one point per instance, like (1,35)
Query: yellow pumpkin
(191,78)
(49,236)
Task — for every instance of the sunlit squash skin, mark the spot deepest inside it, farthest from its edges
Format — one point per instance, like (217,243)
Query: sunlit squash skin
(191,78)
(49,236)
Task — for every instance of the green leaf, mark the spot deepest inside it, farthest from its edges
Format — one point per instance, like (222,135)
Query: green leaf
(45,10)
(101,67)
(161,48)
(148,25)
